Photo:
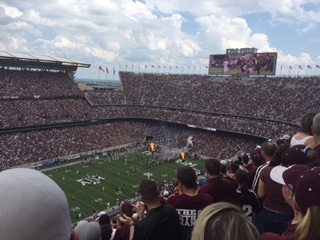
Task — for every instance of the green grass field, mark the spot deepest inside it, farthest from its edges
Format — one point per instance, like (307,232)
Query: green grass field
(127,171)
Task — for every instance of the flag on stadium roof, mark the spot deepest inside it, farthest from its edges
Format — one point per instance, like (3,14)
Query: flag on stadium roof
(317,66)
(107,70)
(290,67)
(146,66)
(114,71)
(300,67)
(101,69)
(309,67)
(152,66)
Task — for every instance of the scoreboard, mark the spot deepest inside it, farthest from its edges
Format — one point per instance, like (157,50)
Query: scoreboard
(243,62)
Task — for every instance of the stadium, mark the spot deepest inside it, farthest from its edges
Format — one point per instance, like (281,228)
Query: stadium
(97,144)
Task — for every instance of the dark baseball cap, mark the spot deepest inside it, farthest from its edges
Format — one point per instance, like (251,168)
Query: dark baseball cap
(297,154)
(307,192)
(288,176)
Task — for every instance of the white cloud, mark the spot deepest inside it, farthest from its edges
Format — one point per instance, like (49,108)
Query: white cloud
(10,11)
(17,43)
(159,32)
(33,17)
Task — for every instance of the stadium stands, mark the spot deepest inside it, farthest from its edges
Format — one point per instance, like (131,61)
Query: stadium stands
(262,107)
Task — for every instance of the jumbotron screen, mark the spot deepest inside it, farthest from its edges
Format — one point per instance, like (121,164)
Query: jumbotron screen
(243,64)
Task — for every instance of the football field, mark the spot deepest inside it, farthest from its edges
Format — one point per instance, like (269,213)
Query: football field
(104,184)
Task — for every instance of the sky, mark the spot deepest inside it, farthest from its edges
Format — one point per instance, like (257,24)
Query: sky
(130,35)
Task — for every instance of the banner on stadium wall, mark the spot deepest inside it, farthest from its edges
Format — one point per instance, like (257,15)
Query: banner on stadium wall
(9,97)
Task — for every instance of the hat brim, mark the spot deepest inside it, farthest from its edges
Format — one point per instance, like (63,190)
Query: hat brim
(276,174)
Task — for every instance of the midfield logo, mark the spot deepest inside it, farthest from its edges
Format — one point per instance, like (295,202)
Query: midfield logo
(90,179)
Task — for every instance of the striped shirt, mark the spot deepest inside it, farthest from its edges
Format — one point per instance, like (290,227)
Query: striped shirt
(257,176)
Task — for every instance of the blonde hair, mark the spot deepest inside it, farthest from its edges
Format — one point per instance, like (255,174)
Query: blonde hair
(308,228)
(223,221)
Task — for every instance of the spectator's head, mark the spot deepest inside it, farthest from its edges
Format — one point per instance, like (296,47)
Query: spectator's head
(234,167)
(280,142)
(277,156)
(88,230)
(288,177)
(213,167)
(307,196)
(268,148)
(187,177)
(242,177)
(127,209)
(245,159)
(149,191)
(316,125)
(256,159)
(223,169)
(32,206)
(306,123)
(286,139)
(223,221)
(104,219)
(100,214)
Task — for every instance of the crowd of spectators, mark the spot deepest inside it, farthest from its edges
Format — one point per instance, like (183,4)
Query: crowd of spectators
(39,83)
(16,113)
(275,98)
(146,96)
(34,146)
(262,128)
(104,97)
(271,98)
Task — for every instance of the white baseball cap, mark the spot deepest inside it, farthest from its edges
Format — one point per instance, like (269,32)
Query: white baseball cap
(32,206)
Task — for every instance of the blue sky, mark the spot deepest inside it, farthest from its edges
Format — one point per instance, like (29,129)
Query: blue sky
(183,33)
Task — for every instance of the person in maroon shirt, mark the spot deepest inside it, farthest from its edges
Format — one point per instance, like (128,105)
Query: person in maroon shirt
(287,177)
(248,199)
(188,202)
(223,170)
(255,161)
(123,231)
(220,189)
(276,213)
